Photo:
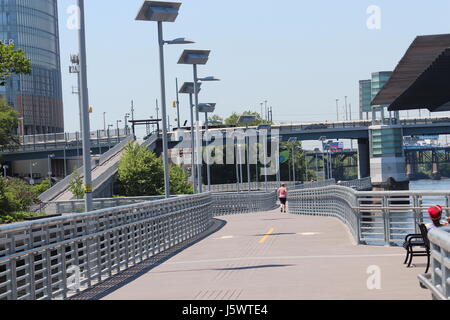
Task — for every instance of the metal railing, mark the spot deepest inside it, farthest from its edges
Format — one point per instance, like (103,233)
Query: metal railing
(38,259)
(55,141)
(238,203)
(438,281)
(78,206)
(331,201)
(374,218)
(359,184)
(261,186)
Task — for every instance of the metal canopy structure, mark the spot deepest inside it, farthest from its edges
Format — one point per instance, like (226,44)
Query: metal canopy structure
(421,80)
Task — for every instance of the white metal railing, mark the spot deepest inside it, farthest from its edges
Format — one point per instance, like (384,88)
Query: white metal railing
(359,184)
(374,217)
(37,258)
(78,206)
(237,203)
(438,281)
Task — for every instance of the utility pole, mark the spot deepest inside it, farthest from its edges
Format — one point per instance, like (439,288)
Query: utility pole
(157,109)
(346,110)
(337,109)
(132,119)
(178,105)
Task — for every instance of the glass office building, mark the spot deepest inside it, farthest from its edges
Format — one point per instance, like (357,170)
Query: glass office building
(32,25)
(368,89)
(365,96)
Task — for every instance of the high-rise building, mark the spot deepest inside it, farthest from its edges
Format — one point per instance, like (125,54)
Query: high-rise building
(365,97)
(368,89)
(32,25)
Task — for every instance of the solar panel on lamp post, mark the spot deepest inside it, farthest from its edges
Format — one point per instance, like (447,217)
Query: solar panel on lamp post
(162,12)
(207,108)
(188,88)
(194,58)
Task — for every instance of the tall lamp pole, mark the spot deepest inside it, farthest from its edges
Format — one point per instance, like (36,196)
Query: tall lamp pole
(162,12)
(194,58)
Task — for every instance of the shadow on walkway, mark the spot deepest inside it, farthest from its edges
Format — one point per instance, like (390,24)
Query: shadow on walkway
(124,277)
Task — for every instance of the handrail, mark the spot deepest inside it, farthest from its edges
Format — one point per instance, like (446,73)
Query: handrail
(438,282)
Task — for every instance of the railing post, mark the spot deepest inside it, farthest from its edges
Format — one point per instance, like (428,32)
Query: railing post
(386,218)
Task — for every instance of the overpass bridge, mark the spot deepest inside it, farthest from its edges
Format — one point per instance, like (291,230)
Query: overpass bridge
(335,243)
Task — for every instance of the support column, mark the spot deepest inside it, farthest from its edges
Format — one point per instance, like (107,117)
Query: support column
(435,167)
(387,158)
(363,158)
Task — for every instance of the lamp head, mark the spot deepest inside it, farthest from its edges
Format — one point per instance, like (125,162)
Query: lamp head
(159,11)
(194,57)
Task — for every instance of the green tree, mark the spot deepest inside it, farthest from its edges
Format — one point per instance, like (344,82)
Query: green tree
(12,61)
(233,119)
(141,173)
(178,181)
(8,123)
(76,185)
(42,187)
(5,207)
(20,195)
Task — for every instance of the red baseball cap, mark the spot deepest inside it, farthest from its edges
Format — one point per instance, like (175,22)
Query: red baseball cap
(435,212)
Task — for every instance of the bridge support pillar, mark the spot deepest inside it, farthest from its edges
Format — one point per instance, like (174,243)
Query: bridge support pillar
(363,158)
(435,167)
(387,159)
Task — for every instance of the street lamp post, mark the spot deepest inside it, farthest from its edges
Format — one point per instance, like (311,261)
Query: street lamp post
(127,116)
(188,88)
(207,108)
(194,58)
(337,109)
(50,156)
(162,12)
(5,168)
(32,164)
(293,140)
(118,130)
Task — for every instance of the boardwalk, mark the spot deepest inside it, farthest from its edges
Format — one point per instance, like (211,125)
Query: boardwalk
(278,256)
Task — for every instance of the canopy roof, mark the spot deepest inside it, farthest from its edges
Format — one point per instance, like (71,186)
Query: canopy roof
(421,80)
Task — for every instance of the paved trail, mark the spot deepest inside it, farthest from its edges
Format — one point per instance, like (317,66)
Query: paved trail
(278,256)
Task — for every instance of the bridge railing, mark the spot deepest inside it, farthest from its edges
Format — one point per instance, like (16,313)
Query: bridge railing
(78,206)
(331,201)
(438,281)
(237,203)
(261,186)
(39,260)
(359,184)
(374,218)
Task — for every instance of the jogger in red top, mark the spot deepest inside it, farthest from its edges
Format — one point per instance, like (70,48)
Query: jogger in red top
(282,195)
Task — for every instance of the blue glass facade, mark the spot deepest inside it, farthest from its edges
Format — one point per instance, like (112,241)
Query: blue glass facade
(32,25)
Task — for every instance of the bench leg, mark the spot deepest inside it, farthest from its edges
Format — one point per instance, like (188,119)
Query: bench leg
(428,262)
(410,258)
(407,255)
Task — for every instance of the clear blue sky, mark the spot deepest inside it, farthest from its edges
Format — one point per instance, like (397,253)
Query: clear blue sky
(298,55)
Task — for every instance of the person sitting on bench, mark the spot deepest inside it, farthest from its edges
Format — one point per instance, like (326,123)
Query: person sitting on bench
(436,217)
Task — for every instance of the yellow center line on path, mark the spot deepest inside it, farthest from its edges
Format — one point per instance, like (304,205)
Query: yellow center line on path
(266,236)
